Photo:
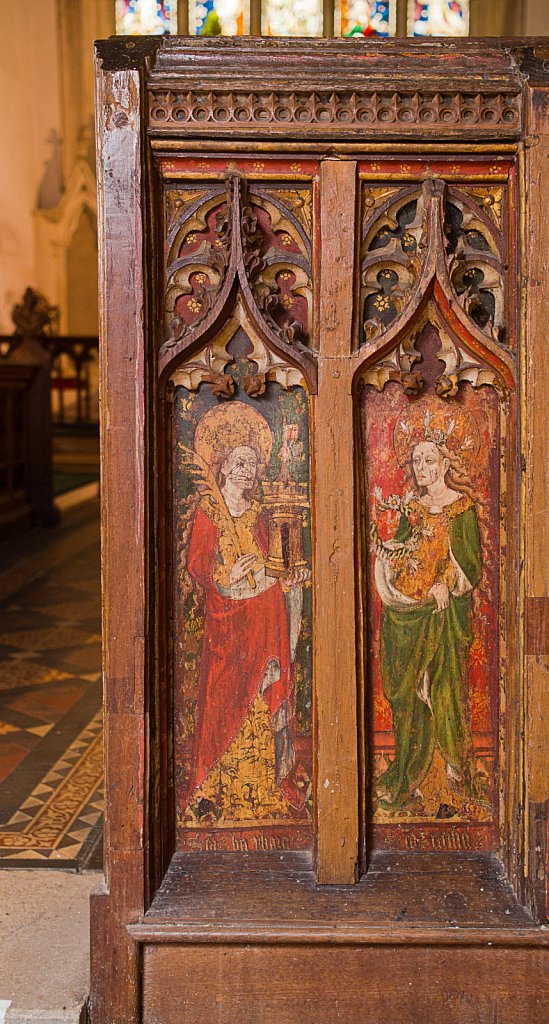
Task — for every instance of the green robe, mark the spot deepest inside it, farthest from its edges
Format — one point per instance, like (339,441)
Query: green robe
(420,638)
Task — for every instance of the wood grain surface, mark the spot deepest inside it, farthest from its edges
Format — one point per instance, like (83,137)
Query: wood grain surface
(274,897)
(223,985)
(536,441)
(228,938)
(335,609)
(114,993)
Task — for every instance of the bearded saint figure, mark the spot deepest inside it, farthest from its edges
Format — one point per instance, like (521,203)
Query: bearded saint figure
(425,578)
(243,748)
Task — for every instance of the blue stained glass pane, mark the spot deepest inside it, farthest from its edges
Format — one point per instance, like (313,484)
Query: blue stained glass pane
(440,17)
(203,8)
(219,17)
(146,17)
(366,18)
(379,17)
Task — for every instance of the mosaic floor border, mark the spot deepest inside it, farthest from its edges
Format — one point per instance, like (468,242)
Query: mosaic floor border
(51,759)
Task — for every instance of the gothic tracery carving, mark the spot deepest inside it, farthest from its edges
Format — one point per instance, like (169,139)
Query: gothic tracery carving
(411,236)
(460,365)
(235,239)
(200,245)
(212,364)
(277,267)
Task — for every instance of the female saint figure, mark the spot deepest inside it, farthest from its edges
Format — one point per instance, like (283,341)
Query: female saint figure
(243,748)
(425,578)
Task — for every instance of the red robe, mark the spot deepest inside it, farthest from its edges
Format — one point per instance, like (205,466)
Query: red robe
(240,638)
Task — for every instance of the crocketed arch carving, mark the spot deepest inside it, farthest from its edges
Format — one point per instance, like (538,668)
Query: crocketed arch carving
(413,238)
(232,243)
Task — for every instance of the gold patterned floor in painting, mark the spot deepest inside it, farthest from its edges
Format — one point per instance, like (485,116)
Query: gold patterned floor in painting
(51,762)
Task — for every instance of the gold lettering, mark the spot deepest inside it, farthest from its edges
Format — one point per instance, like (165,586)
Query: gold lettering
(451,840)
(240,844)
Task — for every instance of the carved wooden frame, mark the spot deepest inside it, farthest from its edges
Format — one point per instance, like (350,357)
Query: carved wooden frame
(493,103)
(472,355)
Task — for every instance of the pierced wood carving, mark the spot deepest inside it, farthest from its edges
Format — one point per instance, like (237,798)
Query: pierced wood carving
(411,237)
(277,261)
(171,108)
(214,364)
(241,241)
(460,365)
(200,240)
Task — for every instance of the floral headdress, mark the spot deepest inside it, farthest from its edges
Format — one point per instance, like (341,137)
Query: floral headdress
(447,426)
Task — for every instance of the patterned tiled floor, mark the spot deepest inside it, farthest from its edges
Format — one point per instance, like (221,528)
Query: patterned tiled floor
(50,700)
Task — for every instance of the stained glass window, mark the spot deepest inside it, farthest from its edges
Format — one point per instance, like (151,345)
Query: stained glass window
(219,17)
(438,17)
(295,18)
(146,17)
(367,17)
(357,18)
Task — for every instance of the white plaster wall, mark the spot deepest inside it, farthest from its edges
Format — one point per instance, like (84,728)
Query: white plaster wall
(29,109)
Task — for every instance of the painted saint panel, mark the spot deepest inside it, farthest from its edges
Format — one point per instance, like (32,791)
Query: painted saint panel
(243,704)
(432,505)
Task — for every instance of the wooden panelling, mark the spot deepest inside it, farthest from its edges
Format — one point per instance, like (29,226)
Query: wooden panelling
(278,898)
(269,936)
(222,985)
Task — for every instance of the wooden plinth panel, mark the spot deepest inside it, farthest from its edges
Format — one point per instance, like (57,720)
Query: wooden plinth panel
(224,984)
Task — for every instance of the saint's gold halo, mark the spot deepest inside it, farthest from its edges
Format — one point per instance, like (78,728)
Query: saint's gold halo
(447,425)
(229,426)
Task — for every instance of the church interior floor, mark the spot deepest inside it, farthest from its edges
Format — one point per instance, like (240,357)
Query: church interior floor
(50,696)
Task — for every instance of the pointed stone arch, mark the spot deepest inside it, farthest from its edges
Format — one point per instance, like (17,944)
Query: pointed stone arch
(55,231)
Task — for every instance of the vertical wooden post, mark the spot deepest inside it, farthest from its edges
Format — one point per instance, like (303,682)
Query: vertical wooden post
(183,18)
(335,659)
(401,19)
(255,17)
(535,284)
(328,14)
(124,452)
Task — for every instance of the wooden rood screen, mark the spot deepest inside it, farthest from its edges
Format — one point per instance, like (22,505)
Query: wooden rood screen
(324,305)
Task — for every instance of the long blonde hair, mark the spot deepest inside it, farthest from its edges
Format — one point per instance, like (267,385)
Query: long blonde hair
(457,477)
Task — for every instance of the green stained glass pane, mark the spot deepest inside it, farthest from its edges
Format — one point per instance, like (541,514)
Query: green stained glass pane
(219,17)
